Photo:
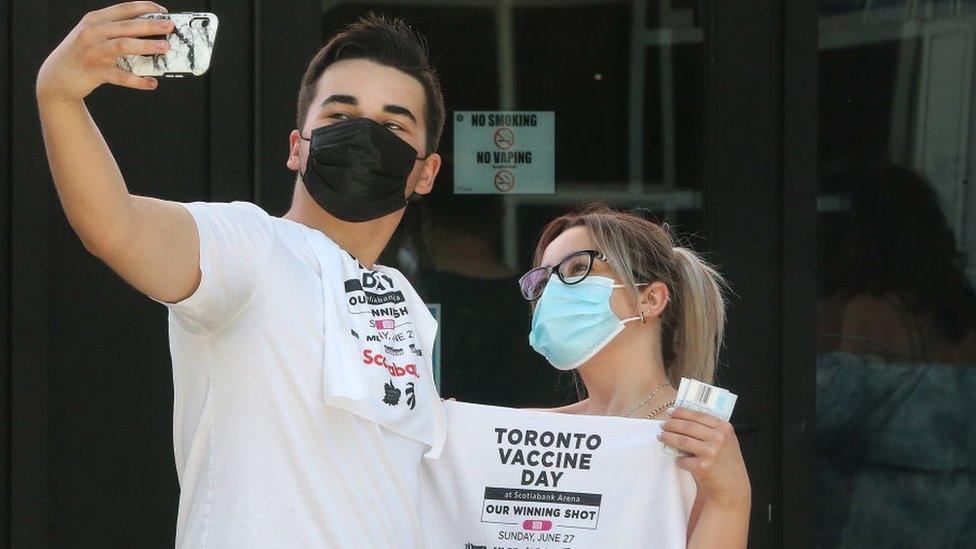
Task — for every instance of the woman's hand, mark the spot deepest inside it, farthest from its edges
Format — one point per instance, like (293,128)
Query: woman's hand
(716,463)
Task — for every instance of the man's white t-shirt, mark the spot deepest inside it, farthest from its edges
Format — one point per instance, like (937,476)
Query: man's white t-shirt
(304,397)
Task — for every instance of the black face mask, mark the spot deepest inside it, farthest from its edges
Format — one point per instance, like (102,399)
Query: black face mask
(357,169)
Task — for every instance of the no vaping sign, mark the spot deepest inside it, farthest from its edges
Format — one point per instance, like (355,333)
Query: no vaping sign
(504,152)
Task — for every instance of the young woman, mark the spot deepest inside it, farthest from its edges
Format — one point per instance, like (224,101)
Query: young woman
(616,300)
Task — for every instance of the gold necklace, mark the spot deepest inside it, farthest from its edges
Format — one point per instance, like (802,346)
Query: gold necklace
(658,410)
(646,400)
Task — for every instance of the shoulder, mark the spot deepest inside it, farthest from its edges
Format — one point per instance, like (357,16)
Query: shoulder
(389,271)
(867,303)
(237,209)
(869,312)
(233,219)
(574,408)
(248,208)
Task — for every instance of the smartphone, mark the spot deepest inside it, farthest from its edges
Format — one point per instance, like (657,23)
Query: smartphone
(191,44)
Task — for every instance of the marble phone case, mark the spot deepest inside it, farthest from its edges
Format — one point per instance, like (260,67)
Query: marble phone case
(191,44)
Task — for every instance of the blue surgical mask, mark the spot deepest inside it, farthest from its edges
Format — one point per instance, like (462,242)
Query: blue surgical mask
(572,323)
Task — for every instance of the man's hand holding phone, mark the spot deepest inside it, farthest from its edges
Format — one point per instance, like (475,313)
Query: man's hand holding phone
(152,244)
(87,57)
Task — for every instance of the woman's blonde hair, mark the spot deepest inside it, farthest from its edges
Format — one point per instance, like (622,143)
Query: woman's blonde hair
(638,250)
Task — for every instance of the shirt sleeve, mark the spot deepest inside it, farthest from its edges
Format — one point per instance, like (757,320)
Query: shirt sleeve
(235,242)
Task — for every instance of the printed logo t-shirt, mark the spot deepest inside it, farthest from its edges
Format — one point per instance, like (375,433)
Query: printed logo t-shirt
(304,397)
(544,480)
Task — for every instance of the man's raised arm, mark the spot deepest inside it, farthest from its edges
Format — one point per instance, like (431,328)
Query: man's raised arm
(151,243)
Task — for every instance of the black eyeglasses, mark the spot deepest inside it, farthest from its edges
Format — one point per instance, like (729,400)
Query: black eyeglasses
(572,269)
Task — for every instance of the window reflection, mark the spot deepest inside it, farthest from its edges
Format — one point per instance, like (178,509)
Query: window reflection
(896,448)
(891,274)
(486,357)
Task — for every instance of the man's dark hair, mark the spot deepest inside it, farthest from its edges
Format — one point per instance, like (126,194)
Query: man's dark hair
(389,42)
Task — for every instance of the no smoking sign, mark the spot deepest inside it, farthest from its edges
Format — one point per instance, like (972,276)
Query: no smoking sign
(508,152)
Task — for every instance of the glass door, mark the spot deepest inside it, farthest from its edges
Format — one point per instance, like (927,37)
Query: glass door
(607,97)
(896,366)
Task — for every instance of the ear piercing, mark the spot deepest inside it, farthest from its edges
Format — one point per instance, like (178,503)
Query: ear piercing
(643,320)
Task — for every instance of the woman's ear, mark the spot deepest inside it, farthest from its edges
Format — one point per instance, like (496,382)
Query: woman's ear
(653,299)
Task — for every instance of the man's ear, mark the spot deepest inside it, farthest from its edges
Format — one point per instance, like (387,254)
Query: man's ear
(654,298)
(294,161)
(432,165)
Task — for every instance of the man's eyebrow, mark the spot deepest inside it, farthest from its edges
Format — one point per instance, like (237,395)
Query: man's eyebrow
(397,109)
(346,99)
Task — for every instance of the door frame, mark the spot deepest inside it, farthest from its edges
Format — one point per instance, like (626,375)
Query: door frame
(759,204)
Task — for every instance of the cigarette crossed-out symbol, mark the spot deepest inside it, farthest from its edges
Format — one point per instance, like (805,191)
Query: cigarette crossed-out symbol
(504,181)
(504,138)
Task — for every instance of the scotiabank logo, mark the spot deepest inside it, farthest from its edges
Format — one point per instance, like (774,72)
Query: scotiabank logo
(388,324)
(370,357)
(537,525)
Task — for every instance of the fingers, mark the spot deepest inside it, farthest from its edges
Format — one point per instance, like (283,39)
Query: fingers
(119,12)
(130,46)
(683,442)
(688,428)
(690,464)
(693,435)
(126,79)
(698,417)
(136,28)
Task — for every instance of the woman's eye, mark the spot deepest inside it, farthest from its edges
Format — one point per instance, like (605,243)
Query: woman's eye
(339,116)
(393,126)
(577,268)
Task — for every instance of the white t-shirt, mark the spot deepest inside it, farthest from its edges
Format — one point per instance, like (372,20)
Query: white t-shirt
(304,396)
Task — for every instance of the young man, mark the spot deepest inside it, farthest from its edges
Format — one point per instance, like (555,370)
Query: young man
(303,391)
